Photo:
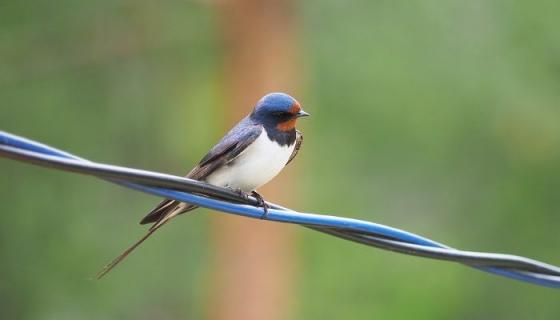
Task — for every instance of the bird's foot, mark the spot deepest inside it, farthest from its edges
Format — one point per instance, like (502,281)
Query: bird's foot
(240,192)
(261,203)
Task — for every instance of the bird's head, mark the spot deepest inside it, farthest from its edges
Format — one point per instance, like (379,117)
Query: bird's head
(278,110)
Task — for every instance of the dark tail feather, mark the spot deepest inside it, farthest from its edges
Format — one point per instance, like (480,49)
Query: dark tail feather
(171,213)
(163,213)
(123,255)
(160,210)
(163,209)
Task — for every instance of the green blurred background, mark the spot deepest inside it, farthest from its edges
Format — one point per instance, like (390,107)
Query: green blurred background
(441,118)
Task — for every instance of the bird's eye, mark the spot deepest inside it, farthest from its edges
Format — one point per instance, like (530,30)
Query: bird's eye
(282,114)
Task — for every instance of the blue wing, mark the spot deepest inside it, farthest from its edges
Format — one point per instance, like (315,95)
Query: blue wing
(231,145)
(299,141)
(225,151)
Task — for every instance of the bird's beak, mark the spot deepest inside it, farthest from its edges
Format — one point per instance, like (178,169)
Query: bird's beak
(302,113)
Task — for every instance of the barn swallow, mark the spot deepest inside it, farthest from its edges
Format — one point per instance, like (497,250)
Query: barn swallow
(247,157)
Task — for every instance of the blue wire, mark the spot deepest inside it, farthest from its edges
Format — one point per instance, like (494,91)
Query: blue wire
(288,216)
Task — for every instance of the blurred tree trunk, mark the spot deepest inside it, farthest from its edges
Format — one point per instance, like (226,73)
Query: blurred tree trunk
(254,266)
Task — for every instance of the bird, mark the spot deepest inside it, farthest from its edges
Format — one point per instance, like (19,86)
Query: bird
(251,154)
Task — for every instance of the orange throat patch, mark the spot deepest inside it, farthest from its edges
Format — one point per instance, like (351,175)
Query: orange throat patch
(287,125)
(290,124)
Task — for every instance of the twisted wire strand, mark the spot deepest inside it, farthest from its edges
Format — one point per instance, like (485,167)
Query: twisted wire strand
(228,201)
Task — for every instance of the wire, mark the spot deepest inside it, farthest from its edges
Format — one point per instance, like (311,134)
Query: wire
(228,201)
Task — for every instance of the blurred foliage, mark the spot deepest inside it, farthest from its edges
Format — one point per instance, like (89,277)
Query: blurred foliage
(441,118)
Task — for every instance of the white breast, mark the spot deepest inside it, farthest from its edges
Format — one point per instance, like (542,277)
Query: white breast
(255,166)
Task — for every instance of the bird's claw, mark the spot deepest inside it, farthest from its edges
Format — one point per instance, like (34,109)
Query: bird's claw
(261,203)
(241,193)
(260,200)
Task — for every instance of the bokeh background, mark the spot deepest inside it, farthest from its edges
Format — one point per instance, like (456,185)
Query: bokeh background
(441,118)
